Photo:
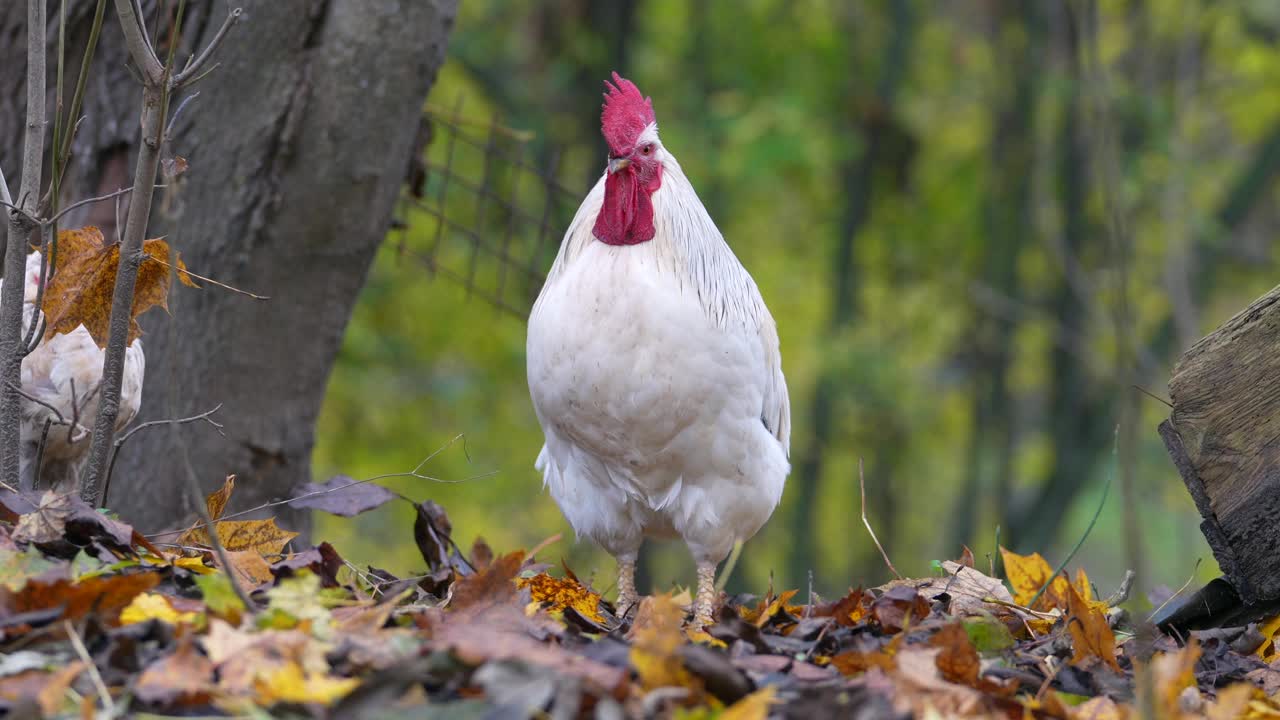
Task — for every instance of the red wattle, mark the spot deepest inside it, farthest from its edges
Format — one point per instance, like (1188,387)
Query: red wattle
(626,217)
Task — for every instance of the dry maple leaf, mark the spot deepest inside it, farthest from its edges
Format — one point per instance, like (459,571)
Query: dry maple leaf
(184,677)
(216,501)
(82,285)
(1027,574)
(493,586)
(561,593)
(261,536)
(1091,635)
(957,659)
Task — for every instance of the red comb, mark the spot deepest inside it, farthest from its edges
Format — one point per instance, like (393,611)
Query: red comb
(626,114)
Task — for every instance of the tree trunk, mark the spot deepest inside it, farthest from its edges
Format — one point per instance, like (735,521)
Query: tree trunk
(297,145)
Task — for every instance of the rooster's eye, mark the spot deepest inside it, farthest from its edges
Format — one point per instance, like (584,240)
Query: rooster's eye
(647,149)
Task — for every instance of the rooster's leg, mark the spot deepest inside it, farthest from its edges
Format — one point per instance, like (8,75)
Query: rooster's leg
(626,584)
(705,602)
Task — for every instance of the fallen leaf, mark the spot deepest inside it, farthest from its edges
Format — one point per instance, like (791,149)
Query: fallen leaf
(154,606)
(431,531)
(494,585)
(194,564)
(969,591)
(18,567)
(219,597)
(752,707)
(655,642)
(1098,708)
(184,677)
(48,522)
(560,593)
(767,608)
(1027,574)
(105,594)
(957,659)
(342,496)
(899,607)
(290,683)
(250,569)
(1091,635)
(262,536)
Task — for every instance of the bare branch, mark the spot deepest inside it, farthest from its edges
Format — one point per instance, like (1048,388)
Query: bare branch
(88,201)
(120,441)
(135,37)
(193,66)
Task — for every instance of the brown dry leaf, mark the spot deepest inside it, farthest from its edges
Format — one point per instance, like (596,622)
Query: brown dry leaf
(83,283)
(898,608)
(261,536)
(216,501)
(250,568)
(656,641)
(1027,574)
(1091,635)
(767,608)
(921,690)
(48,521)
(184,677)
(106,595)
(855,662)
(969,590)
(957,659)
(53,695)
(850,610)
(560,593)
(492,586)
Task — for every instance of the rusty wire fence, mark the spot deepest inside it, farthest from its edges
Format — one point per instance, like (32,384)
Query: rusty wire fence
(484,210)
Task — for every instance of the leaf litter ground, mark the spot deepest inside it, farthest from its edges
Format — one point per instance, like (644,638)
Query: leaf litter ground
(98,621)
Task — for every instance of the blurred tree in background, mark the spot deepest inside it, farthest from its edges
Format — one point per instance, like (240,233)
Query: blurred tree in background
(979,225)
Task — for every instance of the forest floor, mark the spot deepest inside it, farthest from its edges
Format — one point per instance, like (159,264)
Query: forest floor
(98,621)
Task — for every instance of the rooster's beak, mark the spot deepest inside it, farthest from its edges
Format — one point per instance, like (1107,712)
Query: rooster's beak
(616,164)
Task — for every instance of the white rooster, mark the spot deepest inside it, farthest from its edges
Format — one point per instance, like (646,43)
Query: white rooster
(64,372)
(654,367)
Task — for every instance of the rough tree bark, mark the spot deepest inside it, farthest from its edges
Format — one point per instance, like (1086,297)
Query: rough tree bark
(297,147)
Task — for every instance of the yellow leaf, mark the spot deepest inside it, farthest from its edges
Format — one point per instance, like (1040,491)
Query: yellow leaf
(1091,635)
(656,642)
(194,564)
(1172,673)
(81,288)
(1267,650)
(560,593)
(154,606)
(1027,574)
(752,707)
(263,536)
(767,608)
(290,683)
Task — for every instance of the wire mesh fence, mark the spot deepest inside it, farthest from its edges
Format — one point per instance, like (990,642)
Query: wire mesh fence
(485,209)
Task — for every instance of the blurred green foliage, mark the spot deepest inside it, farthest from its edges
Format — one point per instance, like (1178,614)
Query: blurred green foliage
(973,360)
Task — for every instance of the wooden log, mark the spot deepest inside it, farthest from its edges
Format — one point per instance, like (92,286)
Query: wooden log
(1224,437)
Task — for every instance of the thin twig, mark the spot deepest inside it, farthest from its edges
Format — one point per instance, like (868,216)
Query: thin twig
(18,389)
(1106,489)
(1151,395)
(44,440)
(1181,590)
(415,473)
(120,441)
(185,271)
(87,201)
(26,216)
(862,488)
(104,695)
(193,66)
(173,120)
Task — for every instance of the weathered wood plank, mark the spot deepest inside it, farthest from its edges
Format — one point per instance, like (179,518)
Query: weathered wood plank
(1224,437)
